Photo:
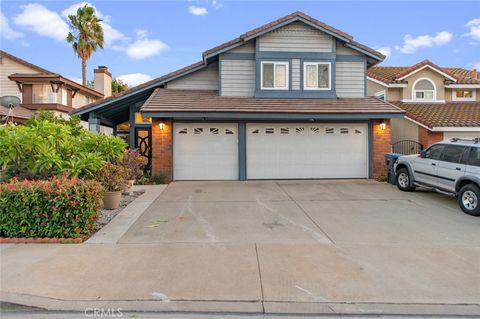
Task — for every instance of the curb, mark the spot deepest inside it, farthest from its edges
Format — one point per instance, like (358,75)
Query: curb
(246,306)
(39,240)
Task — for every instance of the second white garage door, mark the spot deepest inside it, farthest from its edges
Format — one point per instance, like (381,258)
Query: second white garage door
(205,151)
(276,151)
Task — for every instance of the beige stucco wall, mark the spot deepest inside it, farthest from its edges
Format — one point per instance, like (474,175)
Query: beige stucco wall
(403,129)
(81,99)
(393,94)
(449,92)
(373,87)
(8,67)
(425,73)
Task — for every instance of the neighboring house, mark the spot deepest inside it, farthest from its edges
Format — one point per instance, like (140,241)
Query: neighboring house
(285,100)
(40,89)
(440,103)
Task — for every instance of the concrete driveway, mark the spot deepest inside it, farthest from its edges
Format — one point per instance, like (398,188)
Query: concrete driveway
(339,212)
(309,247)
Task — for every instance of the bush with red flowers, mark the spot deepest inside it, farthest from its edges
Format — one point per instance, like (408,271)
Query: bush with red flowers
(59,207)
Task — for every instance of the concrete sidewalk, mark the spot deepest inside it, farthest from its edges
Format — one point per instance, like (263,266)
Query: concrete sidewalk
(315,247)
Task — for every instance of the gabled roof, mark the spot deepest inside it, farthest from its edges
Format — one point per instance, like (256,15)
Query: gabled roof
(450,114)
(184,101)
(295,16)
(148,87)
(25,63)
(44,73)
(396,74)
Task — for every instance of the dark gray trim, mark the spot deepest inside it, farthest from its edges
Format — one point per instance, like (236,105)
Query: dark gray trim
(296,94)
(254,116)
(237,56)
(131,121)
(370,149)
(350,58)
(94,124)
(294,55)
(242,151)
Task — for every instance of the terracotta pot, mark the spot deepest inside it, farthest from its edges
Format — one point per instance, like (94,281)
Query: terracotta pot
(111,200)
(128,185)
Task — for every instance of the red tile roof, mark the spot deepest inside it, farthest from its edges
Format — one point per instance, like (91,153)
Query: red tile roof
(391,74)
(451,114)
(170,100)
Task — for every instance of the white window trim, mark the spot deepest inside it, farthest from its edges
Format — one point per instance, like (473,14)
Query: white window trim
(287,74)
(383,92)
(305,64)
(414,92)
(473,98)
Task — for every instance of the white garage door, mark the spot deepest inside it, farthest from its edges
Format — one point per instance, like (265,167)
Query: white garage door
(307,151)
(467,135)
(205,151)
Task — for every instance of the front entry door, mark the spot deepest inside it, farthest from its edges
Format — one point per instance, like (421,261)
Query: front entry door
(143,142)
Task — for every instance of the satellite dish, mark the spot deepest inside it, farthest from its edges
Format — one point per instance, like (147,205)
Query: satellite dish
(9,101)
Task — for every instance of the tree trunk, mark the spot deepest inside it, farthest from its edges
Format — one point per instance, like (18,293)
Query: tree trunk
(84,71)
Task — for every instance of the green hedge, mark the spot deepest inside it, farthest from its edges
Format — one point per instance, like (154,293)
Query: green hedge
(59,207)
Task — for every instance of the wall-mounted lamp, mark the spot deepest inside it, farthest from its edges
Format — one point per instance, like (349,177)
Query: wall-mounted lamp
(161,125)
(383,125)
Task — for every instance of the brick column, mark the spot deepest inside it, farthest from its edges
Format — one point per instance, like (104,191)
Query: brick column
(427,137)
(162,148)
(381,146)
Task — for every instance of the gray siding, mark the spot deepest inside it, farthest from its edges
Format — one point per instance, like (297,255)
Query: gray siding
(350,79)
(296,37)
(204,79)
(237,77)
(296,74)
(342,50)
(248,47)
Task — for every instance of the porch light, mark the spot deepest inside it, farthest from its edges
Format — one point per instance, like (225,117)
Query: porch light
(383,125)
(161,125)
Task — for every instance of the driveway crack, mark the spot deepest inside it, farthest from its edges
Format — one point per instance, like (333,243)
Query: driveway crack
(306,214)
(260,278)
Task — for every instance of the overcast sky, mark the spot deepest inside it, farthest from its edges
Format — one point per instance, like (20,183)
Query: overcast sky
(146,39)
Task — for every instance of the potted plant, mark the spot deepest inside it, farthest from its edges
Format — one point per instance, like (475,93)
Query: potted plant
(133,162)
(112,178)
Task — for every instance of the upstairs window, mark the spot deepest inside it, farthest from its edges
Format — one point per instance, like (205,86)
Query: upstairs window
(275,75)
(316,76)
(424,90)
(43,93)
(381,95)
(463,95)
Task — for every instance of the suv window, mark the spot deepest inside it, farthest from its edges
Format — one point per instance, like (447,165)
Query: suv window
(434,152)
(474,157)
(453,154)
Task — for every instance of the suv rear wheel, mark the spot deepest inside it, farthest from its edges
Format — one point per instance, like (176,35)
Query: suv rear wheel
(403,181)
(468,199)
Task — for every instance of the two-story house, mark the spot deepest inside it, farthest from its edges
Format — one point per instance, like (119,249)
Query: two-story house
(40,89)
(285,100)
(440,103)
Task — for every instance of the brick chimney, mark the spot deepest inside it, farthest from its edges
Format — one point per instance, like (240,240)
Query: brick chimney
(102,80)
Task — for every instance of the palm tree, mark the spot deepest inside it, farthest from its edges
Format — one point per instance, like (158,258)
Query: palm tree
(86,35)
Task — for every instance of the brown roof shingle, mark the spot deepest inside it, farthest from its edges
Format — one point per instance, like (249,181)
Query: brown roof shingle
(170,100)
(451,114)
(391,74)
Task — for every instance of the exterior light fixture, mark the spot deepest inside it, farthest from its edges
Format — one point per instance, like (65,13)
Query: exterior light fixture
(383,125)
(161,125)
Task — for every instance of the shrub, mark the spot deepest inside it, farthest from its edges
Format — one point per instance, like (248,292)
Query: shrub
(59,207)
(112,177)
(159,178)
(134,163)
(50,146)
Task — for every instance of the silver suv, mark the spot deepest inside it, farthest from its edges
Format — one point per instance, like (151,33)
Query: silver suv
(451,167)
